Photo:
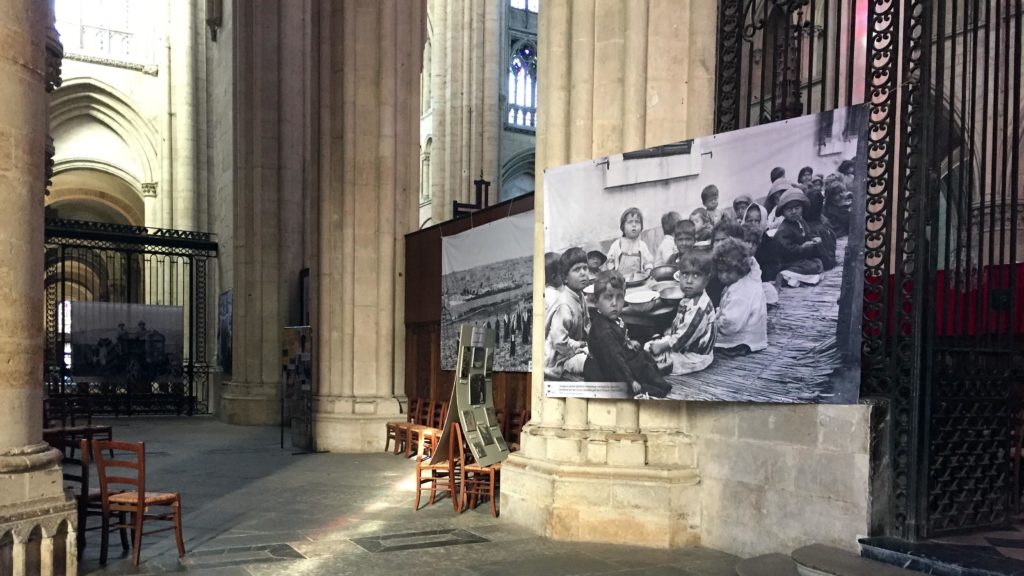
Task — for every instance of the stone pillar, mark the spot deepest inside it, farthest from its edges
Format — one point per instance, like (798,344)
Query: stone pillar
(252,396)
(615,75)
(31,486)
(464,93)
(182,110)
(371,55)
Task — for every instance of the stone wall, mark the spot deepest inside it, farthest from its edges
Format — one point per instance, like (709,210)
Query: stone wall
(774,478)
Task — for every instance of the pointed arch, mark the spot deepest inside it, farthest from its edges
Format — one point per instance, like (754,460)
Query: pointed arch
(101,102)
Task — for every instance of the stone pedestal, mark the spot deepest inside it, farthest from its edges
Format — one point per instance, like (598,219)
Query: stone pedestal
(596,486)
(250,404)
(353,424)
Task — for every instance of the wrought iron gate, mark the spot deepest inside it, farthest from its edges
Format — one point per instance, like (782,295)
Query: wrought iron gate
(94,262)
(944,294)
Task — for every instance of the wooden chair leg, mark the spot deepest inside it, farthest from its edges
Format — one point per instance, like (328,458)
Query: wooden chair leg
(137,518)
(123,519)
(494,509)
(82,516)
(177,529)
(104,538)
(419,491)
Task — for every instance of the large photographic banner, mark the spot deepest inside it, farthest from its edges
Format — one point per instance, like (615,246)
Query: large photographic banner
(726,268)
(133,343)
(487,281)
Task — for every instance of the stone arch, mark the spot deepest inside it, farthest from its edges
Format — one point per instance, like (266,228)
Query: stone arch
(517,174)
(93,99)
(96,191)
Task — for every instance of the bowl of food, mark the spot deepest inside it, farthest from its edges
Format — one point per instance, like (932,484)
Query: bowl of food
(671,294)
(642,300)
(661,273)
(637,278)
(659,286)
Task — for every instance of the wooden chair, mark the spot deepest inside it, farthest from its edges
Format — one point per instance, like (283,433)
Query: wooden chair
(439,477)
(423,421)
(397,429)
(516,422)
(475,480)
(88,500)
(429,436)
(134,499)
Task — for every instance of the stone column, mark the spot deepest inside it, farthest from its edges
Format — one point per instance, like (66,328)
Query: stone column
(371,55)
(252,395)
(183,113)
(465,53)
(31,486)
(615,75)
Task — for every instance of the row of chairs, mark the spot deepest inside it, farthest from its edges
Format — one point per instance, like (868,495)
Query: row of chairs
(422,424)
(121,500)
(425,418)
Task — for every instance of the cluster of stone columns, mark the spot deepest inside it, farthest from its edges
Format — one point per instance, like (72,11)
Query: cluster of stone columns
(615,76)
(464,46)
(32,500)
(370,63)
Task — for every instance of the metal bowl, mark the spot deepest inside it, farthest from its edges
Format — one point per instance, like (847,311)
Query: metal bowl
(637,278)
(642,300)
(671,294)
(659,286)
(663,272)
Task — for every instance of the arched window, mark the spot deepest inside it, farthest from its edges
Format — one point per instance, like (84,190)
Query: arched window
(425,172)
(531,5)
(522,86)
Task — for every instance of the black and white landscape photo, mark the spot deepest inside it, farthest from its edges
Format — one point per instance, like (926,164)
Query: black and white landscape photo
(487,281)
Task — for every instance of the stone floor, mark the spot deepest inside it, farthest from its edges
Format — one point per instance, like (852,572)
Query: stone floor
(253,509)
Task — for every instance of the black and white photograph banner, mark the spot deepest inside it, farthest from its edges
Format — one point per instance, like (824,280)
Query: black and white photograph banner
(725,268)
(487,281)
(121,343)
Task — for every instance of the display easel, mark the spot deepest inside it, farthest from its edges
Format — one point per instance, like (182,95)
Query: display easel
(472,400)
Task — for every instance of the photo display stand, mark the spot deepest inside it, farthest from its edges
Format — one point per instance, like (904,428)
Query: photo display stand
(472,401)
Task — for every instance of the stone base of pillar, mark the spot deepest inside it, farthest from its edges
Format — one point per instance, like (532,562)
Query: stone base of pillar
(37,519)
(609,492)
(353,424)
(250,404)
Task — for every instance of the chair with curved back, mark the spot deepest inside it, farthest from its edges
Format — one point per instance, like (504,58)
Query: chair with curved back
(128,469)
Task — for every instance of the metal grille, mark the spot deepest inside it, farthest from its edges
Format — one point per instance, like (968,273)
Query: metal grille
(93,262)
(944,214)
(970,419)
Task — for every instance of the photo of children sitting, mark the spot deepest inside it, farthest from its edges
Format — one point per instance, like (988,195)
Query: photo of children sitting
(614,357)
(740,303)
